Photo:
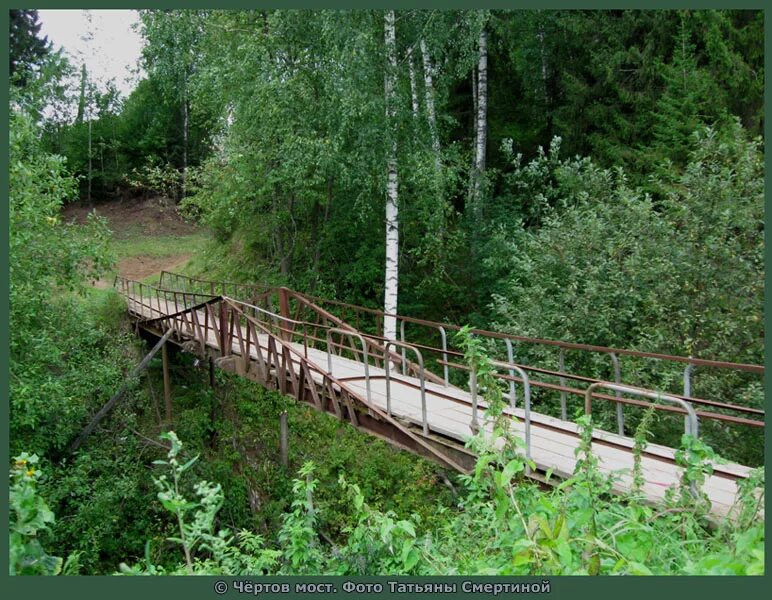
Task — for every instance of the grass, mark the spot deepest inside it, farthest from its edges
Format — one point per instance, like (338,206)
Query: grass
(159,246)
(232,261)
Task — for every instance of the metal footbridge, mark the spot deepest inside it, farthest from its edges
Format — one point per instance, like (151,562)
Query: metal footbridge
(333,356)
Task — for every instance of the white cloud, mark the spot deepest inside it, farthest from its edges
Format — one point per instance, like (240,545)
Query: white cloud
(103,39)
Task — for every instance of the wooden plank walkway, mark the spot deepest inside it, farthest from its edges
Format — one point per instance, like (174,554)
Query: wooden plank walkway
(449,414)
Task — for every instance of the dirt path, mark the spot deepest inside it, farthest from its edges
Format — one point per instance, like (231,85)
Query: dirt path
(148,217)
(141,267)
(143,221)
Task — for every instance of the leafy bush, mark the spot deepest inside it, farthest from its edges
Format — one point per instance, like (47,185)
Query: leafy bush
(507,525)
(32,515)
(681,275)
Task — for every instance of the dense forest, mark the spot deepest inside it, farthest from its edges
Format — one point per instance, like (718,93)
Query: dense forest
(587,176)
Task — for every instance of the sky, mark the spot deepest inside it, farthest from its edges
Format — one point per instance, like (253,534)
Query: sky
(104,39)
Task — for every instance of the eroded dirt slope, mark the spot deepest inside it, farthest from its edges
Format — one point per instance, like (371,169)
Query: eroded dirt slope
(149,235)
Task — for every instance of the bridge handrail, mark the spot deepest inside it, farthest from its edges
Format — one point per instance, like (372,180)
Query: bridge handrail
(691,423)
(509,365)
(344,387)
(691,399)
(353,334)
(421,378)
(558,343)
(495,334)
(445,364)
(628,401)
(171,274)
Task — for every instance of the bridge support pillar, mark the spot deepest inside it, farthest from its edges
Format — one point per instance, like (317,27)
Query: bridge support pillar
(211,372)
(167,383)
(284,440)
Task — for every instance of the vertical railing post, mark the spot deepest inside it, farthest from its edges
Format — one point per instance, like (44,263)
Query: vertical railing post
(402,339)
(562,367)
(618,394)
(284,439)
(444,338)
(223,325)
(688,383)
(386,364)
(422,381)
(167,383)
(511,360)
(284,310)
(688,379)
(475,425)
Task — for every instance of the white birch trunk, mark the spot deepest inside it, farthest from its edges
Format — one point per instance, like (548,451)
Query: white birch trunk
(431,115)
(392,208)
(430,112)
(482,123)
(472,171)
(474,103)
(89,154)
(543,54)
(184,142)
(413,89)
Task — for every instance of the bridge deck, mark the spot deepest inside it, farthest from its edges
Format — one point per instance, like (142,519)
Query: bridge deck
(449,414)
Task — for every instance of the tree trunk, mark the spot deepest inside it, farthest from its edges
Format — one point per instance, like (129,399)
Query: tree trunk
(102,161)
(482,123)
(392,186)
(185,111)
(438,214)
(82,97)
(89,158)
(474,102)
(543,56)
(278,231)
(470,192)
(430,112)
(413,89)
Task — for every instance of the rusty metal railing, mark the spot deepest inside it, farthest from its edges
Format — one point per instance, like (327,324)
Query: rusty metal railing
(225,323)
(375,343)
(422,380)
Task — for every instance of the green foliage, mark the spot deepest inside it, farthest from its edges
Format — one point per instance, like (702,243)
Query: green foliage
(50,262)
(163,180)
(298,537)
(43,250)
(682,275)
(268,126)
(641,431)
(196,534)
(376,542)
(29,516)
(104,499)
(26,49)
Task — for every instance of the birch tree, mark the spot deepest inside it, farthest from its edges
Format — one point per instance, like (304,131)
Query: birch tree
(482,121)
(413,88)
(172,54)
(392,185)
(431,115)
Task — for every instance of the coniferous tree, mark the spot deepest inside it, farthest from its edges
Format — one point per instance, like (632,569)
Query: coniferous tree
(26,50)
